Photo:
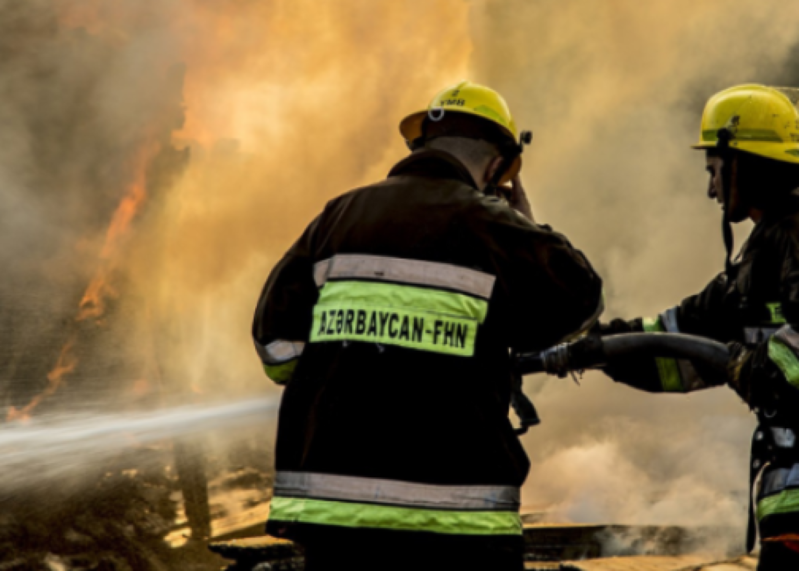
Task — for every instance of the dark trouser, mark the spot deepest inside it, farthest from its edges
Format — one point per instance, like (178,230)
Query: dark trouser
(403,555)
(777,557)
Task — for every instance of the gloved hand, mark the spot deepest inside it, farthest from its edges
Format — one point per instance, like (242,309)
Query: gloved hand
(587,353)
(736,379)
(758,380)
(752,374)
(517,199)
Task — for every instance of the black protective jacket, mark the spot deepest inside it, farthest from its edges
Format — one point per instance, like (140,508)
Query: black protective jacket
(758,307)
(390,323)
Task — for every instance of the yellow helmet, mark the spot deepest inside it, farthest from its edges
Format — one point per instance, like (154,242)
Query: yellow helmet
(761,120)
(470,98)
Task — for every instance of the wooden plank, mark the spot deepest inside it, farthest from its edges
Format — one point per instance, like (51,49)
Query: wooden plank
(640,563)
(541,566)
(723,567)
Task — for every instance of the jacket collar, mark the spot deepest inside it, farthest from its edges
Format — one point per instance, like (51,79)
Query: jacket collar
(433,163)
(785,206)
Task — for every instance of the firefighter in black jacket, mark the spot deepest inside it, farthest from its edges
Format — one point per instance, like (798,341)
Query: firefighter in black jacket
(390,323)
(751,137)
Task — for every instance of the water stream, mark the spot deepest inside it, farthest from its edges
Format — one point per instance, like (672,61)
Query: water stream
(55,448)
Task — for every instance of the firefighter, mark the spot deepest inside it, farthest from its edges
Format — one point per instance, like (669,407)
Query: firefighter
(750,134)
(389,323)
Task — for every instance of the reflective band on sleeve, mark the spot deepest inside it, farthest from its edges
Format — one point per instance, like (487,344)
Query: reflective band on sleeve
(785,502)
(653,325)
(280,351)
(350,514)
(785,438)
(669,320)
(690,380)
(787,335)
(320,271)
(401,270)
(758,334)
(775,311)
(775,480)
(785,359)
(407,316)
(394,492)
(282,373)
(668,370)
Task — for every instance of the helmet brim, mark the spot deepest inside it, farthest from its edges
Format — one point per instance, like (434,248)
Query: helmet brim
(411,126)
(784,152)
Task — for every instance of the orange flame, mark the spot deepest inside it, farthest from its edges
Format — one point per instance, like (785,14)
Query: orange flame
(92,304)
(66,364)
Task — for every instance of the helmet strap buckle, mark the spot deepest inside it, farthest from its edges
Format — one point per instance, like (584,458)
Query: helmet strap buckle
(724,136)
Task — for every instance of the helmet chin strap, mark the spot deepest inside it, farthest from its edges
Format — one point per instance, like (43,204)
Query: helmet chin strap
(725,154)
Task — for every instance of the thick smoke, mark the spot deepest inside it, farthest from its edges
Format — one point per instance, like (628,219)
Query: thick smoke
(286,104)
(614,92)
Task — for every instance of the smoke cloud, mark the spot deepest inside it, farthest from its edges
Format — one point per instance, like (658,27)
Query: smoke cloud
(242,118)
(614,92)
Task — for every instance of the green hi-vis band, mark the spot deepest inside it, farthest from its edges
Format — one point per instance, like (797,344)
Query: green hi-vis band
(408,316)
(668,370)
(785,359)
(775,310)
(350,514)
(282,373)
(745,135)
(787,501)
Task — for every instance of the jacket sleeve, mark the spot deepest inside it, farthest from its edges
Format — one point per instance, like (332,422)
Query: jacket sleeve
(702,314)
(284,312)
(555,293)
(766,375)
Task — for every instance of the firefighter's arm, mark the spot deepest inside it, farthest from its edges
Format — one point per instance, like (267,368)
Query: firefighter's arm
(637,372)
(557,294)
(766,375)
(284,312)
(699,314)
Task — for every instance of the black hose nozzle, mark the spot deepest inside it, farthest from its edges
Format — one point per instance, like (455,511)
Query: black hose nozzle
(593,352)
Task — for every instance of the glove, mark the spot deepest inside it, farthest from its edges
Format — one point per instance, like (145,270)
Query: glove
(735,365)
(587,353)
(752,375)
(562,359)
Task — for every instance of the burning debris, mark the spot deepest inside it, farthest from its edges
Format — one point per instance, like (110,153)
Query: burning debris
(117,523)
(548,547)
(116,483)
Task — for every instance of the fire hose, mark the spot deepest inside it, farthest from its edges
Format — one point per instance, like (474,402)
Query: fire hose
(593,352)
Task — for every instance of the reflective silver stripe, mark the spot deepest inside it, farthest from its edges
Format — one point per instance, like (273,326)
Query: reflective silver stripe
(758,334)
(669,320)
(395,492)
(787,335)
(776,480)
(402,270)
(279,351)
(320,271)
(691,381)
(783,437)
